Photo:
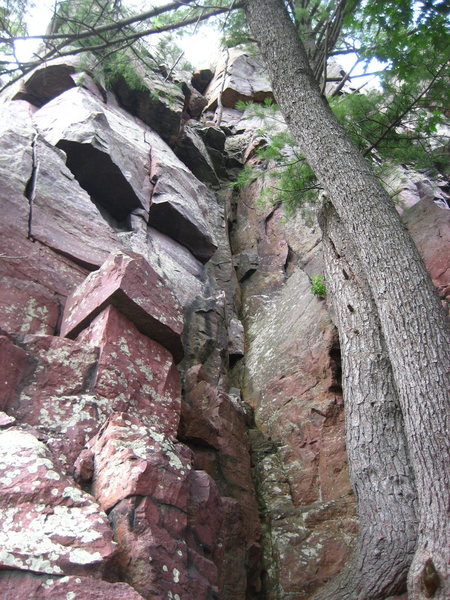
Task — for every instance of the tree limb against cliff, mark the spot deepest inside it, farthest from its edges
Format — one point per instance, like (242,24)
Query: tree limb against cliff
(70,36)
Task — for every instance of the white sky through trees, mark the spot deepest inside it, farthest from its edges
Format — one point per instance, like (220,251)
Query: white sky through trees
(201,49)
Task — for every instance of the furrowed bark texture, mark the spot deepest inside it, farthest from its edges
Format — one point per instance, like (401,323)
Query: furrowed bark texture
(412,320)
(380,469)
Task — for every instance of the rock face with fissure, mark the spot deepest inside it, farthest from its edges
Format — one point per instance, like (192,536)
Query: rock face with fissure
(171,409)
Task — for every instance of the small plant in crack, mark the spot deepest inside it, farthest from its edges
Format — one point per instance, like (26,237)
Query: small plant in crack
(318,287)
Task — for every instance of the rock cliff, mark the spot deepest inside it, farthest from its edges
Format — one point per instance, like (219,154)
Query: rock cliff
(171,413)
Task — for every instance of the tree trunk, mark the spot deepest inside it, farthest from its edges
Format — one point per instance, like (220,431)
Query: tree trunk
(380,469)
(411,318)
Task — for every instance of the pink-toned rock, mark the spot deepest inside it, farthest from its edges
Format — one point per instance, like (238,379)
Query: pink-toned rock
(27,307)
(13,362)
(134,373)
(130,284)
(153,561)
(429,225)
(159,509)
(6,420)
(56,395)
(215,427)
(134,460)
(210,418)
(62,369)
(205,511)
(87,238)
(17,585)
(71,387)
(48,525)
(158,563)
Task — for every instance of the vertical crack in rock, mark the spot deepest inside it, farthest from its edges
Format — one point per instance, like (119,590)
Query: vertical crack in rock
(30,188)
(335,366)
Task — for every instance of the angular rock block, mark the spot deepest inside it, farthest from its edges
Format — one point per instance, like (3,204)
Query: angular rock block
(133,460)
(48,525)
(59,368)
(129,283)
(46,83)
(38,192)
(245,79)
(86,238)
(180,203)
(192,151)
(117,160)
(134,373)
(106,151)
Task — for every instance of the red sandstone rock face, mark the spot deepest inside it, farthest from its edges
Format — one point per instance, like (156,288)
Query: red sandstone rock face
(164,515)
(16,585)
(291,379)
(178,533)
(429,224)
(215,428)
(12,366)
(27,306)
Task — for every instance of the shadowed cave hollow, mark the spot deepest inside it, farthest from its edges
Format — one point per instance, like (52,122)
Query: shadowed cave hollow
(101,178)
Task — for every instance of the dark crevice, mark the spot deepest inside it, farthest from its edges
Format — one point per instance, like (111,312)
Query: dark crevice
(233,359)
(335,366)
(270,216)
(290,263)
(103,181)
(30,188)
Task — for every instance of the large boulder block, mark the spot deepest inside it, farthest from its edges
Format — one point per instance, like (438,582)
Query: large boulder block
(133,460)
(181,204)
(165,516)
(38,193)
(48,525)
(126,167)
(134,373)
(101,148)
(129,283)
(245,79)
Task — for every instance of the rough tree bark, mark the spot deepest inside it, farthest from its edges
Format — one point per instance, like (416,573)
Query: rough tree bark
(380,469)
(412,321)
